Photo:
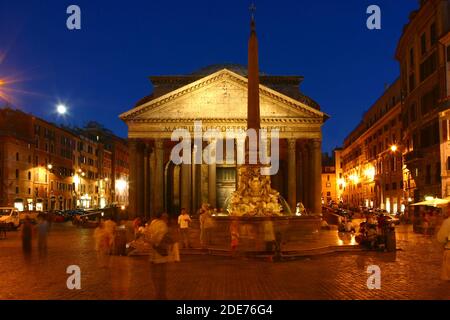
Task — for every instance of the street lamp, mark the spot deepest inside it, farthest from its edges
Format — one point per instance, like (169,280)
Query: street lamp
(61,109)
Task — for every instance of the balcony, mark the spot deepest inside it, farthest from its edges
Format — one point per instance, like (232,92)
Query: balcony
(413,156)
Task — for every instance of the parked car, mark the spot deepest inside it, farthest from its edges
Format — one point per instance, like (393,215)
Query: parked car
(9,216)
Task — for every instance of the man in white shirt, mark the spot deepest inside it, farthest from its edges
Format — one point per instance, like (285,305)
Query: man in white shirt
(183,221)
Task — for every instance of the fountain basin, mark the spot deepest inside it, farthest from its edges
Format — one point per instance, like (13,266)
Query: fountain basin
(254,232)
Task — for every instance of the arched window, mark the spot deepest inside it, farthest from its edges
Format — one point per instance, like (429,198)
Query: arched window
(17,173)
(29,175)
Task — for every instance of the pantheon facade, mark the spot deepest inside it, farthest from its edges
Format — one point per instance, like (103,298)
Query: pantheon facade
(217,96)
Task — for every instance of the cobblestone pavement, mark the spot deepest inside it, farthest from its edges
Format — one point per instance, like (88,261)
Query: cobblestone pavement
(411,273)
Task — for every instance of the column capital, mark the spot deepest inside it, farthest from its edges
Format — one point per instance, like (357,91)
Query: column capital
(159,143)
(316,143)
(292,143)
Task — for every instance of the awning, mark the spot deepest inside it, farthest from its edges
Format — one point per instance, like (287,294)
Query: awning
(437,203)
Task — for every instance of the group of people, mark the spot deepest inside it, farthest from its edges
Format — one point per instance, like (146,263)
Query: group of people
(376,233)
(41,230)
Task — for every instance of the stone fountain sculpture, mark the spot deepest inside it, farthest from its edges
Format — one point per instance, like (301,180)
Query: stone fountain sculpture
(254,196)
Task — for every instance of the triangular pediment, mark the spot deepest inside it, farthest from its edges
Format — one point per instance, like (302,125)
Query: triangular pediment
(221,95)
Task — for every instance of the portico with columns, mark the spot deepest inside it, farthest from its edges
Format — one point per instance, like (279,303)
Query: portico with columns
(219,101)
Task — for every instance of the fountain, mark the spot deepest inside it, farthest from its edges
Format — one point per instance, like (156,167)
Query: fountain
(255,208)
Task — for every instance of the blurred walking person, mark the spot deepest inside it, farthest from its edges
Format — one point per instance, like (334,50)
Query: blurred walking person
(27,235)
(206,225)
(103,243)
(184,221)
(234,233)
(164,250)
(443,236)
(42,232)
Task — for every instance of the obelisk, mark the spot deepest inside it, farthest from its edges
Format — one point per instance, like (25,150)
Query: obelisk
(253,114)
(254,196)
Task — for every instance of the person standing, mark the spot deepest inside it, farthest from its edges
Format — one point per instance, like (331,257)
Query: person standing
(103,242)
(234,234)
(27,235)
(42,228)
(443,236)
(206,225)
(164,250)
(184,221)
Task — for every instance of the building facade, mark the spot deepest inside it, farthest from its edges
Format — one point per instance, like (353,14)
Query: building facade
(371,158)
(423,68)
(47,167)
(217,96)
(329,182)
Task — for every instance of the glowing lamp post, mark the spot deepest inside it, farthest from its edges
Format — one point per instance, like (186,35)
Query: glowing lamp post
(61,109)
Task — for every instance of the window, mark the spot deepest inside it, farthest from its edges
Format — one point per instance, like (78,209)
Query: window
(17,173)
(17,156)
(433,34)
(17,190)
(394,186)
(411,58)
(29,190)
(423,43)
(412,82)
(429,100)
(428,67)
(29,175)
(413,112)
(429,135)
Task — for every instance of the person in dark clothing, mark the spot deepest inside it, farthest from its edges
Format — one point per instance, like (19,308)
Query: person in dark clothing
(27,235)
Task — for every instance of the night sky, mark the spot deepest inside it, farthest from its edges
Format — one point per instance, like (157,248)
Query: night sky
(101,70)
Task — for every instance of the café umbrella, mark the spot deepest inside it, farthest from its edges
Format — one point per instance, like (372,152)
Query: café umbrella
(436,202)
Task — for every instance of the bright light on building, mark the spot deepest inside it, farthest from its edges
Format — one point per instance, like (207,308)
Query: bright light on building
(122,207)
(370,173)
(354,178)
(394,148)
(49,166)
(76,179)
(341,182)
(429,198)
(61,109)
(121,185)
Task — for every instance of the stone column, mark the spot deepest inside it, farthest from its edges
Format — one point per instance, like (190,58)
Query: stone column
(316,170)
(299,169)
(158,188)
(212,196)
(140,180)
(147,181)
(186,186)
(132,191)
(292,175)
(306,186)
